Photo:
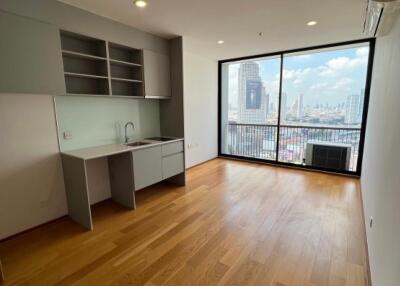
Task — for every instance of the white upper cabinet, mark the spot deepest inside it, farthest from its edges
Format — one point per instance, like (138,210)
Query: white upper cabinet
(157,74)
(30,56)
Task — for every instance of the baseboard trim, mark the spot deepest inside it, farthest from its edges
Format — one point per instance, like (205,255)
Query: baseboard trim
(289,167)
(201,163)
(33,228)
(44,224)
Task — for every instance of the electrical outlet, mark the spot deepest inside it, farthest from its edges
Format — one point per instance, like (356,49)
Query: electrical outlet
(371,221)
(67,135)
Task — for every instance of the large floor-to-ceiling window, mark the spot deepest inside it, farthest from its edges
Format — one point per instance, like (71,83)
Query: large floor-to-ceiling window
(306,107)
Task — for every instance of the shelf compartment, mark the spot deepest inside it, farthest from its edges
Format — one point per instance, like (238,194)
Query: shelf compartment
(85,66)
(126,88)
(83,45)
(84,84)
(126,72)
(84,75)
(124,54)
(81,56)
(126,79)
(122,63)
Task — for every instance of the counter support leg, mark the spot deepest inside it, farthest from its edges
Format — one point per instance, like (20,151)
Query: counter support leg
(121,179)
(76,188)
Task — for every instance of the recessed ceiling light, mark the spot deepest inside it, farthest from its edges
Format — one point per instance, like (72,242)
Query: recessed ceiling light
(312,23)
(220,42)
(140,3)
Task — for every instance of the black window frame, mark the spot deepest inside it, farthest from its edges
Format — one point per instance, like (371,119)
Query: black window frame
(357,173)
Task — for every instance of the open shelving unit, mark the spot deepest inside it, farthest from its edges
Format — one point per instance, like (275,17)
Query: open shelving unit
(126,70)
(100,68)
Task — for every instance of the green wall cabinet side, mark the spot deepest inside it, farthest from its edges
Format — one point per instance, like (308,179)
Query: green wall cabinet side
(171,111)
(30,56)
(147,167)
(157,74)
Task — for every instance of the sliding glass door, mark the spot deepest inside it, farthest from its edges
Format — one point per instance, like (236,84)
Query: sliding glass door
(249,109)
(306,108)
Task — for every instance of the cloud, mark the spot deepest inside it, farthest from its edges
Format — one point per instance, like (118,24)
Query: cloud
(342,83)
(271,86)
(333,78)
(319,85)
(345,63)
(362,52)
(296,74)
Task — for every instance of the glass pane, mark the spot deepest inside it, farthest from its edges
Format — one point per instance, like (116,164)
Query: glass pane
(249,113)
(322,106)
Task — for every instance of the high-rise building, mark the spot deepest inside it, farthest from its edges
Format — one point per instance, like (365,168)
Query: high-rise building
(300,105)
(252,99)
(354,107)
(296,109)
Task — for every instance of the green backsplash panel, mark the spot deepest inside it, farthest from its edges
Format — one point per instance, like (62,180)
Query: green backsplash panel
(100,121)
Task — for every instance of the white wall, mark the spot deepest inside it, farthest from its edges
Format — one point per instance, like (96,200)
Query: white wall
(201,108)
(381,176)
(31,180)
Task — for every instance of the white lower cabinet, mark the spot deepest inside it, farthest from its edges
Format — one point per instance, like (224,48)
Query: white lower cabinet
(172,165)
(154,164)
(147,167)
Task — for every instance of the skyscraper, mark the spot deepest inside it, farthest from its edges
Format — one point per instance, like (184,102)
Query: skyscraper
(300,105)
(253,105)
(354,107)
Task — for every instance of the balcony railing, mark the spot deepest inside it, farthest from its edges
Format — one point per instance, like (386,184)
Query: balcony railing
(260,141)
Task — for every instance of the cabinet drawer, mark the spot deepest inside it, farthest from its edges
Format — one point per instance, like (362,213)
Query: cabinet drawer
(147,168)
(172,148)
(172,165)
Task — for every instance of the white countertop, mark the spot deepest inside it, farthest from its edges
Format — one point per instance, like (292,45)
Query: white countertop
(112,149)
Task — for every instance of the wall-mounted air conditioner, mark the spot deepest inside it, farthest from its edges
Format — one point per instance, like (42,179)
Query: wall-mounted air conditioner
(328,155)
(380,16)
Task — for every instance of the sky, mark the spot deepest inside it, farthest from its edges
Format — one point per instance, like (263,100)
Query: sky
(323,78)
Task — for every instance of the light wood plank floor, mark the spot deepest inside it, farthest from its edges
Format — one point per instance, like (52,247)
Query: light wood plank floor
(235,223)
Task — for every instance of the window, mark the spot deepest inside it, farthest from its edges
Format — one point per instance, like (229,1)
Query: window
(302,107)
(250,107)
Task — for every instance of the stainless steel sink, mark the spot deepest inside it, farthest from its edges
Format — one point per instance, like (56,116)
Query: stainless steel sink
(138,143)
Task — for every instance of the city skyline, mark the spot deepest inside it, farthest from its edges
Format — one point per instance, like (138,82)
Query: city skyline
(301,94)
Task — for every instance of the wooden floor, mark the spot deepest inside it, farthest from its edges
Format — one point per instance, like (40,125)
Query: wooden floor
(235,223)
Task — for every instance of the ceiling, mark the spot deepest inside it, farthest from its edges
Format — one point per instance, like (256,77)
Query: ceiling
(239,22)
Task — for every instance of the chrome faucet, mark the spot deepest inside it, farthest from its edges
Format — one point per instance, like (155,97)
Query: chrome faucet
(126,130)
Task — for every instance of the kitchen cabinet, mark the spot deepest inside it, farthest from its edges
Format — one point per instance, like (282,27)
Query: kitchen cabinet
(172,165)
(94,67)
(157,75)
(30,56)
(147,167)
(152,165)
(131,168)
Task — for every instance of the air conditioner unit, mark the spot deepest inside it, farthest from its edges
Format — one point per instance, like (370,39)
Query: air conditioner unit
(380,16)
(328,155)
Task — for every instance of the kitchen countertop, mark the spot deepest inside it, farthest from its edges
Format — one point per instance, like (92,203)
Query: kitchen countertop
(112,149)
